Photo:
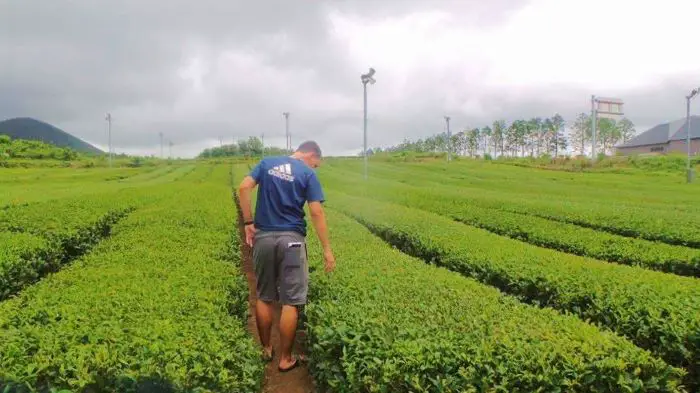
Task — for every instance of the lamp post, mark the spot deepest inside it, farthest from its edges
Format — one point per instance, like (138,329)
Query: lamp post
(449,139)
(693,94)
(286,131)
(366,78)
(109,133)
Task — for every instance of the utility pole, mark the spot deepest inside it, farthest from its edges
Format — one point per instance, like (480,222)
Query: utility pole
(449,139)
(263,145)
(690,172)
(364,143)
(161,145)
(170,155)
(109,133)
(366,78)
(594,122)
(286,131)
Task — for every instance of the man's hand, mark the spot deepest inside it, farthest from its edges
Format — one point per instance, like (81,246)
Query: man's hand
(329,258)
(250,234)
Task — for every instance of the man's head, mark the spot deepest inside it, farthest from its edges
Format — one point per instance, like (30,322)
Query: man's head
(310,153)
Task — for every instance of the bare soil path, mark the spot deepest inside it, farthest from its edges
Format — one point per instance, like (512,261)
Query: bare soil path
(298,380)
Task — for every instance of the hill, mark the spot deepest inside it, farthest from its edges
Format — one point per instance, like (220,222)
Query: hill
(31,129)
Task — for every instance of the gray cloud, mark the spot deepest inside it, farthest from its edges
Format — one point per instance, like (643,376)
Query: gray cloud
(197,71)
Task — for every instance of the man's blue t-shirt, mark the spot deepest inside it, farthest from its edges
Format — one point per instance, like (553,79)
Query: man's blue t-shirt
(285,184)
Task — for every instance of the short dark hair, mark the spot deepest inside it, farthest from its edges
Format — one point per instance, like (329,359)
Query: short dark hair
(310,147)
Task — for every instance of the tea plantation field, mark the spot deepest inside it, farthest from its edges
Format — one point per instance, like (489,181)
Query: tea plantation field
(467,277)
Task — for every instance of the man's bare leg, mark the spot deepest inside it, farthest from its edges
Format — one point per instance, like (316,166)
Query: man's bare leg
(263,316)
(288,330)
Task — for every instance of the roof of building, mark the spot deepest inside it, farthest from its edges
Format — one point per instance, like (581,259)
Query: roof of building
(666,132)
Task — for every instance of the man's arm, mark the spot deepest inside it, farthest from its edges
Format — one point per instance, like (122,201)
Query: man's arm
(244,191)
(318,217)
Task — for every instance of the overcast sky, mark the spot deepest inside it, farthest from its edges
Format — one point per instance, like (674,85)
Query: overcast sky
(200,70)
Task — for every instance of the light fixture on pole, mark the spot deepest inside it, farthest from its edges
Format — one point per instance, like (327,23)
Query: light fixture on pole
(109,133)
(286,131)
(608,107)
(689,97)
(262,141)
(366,78)
(449,139)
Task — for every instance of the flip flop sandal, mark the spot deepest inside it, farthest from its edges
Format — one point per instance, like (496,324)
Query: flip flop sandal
(267,357)
(297,360)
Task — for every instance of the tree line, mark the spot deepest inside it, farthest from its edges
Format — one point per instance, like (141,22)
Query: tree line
(251,147)
(535,137)
(34,149)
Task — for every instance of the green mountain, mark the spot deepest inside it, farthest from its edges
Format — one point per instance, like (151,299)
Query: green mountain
(31,129)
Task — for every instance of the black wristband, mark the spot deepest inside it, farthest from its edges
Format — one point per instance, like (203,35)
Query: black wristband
(248,223)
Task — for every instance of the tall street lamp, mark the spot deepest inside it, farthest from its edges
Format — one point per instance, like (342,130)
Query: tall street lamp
(689,97)
(449,139)
(109,133)
(366,78)
(286,130)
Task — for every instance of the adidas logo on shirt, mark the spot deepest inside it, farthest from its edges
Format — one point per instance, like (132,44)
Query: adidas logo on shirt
(283,172)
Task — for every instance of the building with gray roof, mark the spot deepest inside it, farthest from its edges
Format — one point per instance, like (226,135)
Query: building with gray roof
(664,139)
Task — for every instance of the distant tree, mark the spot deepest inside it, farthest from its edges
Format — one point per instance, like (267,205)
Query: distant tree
(534,136)
(535,131)
(531,137)
(627,130)
(459,143)
(487,133)
(479,140)
(255,146)
(473,141)
(421,146)
(498,136)
(510,138)
(251,147)
(441,142)
(581,133)
(557,140)
(519,136)
(431,144)
(608,134)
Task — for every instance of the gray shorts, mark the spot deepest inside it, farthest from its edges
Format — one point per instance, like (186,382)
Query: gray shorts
(281,267)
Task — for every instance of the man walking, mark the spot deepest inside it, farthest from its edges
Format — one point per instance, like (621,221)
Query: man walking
(278,239)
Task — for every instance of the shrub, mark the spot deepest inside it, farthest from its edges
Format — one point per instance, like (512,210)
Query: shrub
(386,322)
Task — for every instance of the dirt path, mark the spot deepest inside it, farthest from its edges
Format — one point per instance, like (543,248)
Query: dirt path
(296,381)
